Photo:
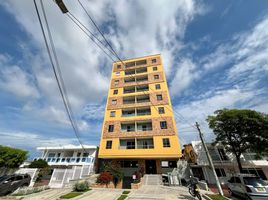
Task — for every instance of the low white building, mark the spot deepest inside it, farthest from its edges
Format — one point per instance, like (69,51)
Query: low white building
(225,164)
(68,155)
(69,162)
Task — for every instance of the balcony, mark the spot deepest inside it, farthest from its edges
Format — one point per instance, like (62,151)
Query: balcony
(142,88)
(141,70)
(128,113)
(67,160)
(130,72)
(127,127)
(144,126)
(136,143)
(142,78)
(136,112)
(136,126)
(127,144)
(145,143)
(128,90)
(137,63)
(129,80)
(143,111)
(143,98)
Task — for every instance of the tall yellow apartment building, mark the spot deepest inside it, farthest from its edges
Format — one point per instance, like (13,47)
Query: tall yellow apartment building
(139,130)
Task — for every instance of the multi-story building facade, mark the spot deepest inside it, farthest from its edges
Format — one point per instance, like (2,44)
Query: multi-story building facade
(139,130)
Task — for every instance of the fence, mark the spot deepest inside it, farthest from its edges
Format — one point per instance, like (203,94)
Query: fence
(60,177)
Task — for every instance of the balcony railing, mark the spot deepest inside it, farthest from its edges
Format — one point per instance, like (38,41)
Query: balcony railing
(67,160)
(148,146)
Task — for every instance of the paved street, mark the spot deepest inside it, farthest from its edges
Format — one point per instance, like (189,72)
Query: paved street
(146,192)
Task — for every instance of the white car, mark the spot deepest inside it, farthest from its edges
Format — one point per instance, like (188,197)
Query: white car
(248,186)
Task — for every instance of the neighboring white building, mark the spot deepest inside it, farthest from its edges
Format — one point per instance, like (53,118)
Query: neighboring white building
(68,155)
(225,164)
(69,162)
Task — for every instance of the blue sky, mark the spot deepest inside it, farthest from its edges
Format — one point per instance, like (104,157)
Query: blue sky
(215,56)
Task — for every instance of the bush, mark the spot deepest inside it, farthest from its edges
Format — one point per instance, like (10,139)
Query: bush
(38,164)
(117,174)
(81,186)
(104,178)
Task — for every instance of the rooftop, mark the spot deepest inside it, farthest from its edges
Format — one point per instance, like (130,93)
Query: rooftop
(68,147)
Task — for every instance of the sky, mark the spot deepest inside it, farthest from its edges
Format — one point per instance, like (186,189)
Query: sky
(215,55)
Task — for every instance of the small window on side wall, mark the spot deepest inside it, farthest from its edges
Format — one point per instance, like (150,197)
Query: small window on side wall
(112,114)
(109,144)
(114,101)
(157,87)
(116,82)
(154,68)
(159,97)
(154,60)
(166,142)
(163,125)
(118,66)
(161,110)
(111,128)
(156,77)
(115,91)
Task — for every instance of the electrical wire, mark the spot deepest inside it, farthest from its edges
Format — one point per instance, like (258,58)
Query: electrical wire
(59,79)
(117,56)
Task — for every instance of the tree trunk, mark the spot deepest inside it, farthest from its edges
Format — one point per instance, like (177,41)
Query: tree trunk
(239,163)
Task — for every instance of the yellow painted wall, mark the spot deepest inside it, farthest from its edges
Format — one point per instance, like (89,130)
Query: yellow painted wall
(159,151)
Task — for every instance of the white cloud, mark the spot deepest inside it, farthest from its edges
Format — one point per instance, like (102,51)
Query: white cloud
(199,110)
(17,81)
(184,76)
(85,69)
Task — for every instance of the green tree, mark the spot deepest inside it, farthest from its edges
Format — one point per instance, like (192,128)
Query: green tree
(38,164)
(11,157)
(240,131)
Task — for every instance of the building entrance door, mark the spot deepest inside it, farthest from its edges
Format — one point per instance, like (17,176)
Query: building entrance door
(150,166)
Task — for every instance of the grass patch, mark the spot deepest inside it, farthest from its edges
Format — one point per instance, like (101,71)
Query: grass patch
(71,195)
(122,197)
(126,192)
(216,197)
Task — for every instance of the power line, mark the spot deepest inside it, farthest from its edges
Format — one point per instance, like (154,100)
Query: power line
(58,76)
(117,56)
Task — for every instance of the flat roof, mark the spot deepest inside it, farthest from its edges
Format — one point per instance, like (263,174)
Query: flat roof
(137,58)
(67,147)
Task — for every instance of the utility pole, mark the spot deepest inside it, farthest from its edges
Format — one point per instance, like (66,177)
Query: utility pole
(209,159)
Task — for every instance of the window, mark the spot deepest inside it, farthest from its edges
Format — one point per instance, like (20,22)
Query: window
(117,73)
(112,114)
(161,110)
(111,128)
(155,68)
(156,77)
(115,91)
(114,101)
(118,66)
(220,172)
(109,144)
(116,82)
(159,97)
(154,60)
(163,125)
(166,142)
(157,86)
